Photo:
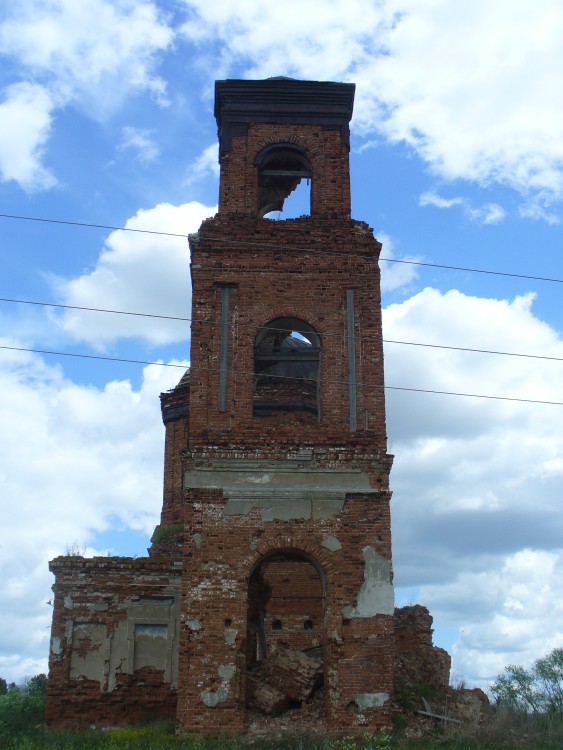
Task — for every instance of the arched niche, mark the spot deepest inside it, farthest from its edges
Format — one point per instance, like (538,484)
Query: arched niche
(281,168)
(286,367)
(286,615)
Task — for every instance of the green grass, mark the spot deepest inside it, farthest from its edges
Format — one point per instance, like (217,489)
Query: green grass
(161,737)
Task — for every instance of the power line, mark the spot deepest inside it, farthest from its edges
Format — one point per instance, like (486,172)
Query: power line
(91,226)
(478,351)
(333,382)
(273,328)
(93,309)
(281,247)
(90,356)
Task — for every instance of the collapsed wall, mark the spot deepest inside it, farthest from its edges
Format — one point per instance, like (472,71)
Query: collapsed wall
(114,641)
(421,669)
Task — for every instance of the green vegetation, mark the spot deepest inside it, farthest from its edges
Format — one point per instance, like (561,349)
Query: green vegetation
(163,533)
(535,691)
(528,713)
(21,709)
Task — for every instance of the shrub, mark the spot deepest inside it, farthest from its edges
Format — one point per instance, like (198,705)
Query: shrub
(20,711)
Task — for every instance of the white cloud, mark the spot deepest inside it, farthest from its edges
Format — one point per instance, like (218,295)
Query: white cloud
(518,622)
(207,163)
(317,40)
(395,272)
(25,125)
(141,141)
(489,213)
(135,272)
(477,482)
(92,54)
(471,88)
(73,459)
(432,199)
(94,51)
(540,208)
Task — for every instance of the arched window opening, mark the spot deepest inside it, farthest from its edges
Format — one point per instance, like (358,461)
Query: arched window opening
(286,367)
(285,597)
(296,205)
(281,169)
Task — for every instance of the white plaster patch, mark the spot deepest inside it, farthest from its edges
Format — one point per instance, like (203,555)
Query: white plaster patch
(226,672)
(56,647)
(212,698)
(194,625)
(231,636)
(197,540)
(370,700)
(331,543)
(68,602)
(335,635)
(258,478)
(375,596)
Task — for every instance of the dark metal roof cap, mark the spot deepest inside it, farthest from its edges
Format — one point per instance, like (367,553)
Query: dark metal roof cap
(239,103)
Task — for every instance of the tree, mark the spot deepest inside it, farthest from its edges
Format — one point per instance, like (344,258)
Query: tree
(3,686)
(538,690)
(21,709)
(36,685)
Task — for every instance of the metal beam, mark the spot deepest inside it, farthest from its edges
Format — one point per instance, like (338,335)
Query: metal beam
(351,359)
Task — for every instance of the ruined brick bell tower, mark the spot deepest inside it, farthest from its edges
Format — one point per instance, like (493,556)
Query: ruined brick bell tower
(287,593)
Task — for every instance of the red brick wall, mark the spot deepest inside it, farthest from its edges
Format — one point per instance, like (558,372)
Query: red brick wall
(328,156)
(277,277)
(298,268)
(110,595)
(358,651)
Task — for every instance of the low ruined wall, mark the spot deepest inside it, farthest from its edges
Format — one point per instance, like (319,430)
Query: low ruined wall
(114,641)
(420,667)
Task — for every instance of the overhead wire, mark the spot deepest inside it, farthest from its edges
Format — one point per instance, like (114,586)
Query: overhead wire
(274,328)
(279,247)
(248,373)
(324,251)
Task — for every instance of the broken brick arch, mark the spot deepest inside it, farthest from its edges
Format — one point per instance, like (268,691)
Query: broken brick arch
(286,367)
(286,620)
(281,168)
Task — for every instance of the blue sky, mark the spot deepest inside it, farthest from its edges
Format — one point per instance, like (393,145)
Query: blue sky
(106,117)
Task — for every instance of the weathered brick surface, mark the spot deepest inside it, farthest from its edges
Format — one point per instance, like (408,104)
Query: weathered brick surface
(102,608)
(420,667)
(281,513)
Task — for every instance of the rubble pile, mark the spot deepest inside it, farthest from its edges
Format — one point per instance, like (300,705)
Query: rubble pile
(287,679)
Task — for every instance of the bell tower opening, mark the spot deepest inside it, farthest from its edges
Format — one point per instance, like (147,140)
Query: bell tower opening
(286,367)
(282,168)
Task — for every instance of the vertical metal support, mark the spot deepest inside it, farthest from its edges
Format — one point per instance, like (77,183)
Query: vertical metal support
(224,356)
(351,359)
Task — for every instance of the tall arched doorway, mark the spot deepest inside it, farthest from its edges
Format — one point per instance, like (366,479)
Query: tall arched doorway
(286,634)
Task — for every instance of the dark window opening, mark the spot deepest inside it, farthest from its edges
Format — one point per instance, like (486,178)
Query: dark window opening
(281,168)
(308,625)
(286,367)
(277,625)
